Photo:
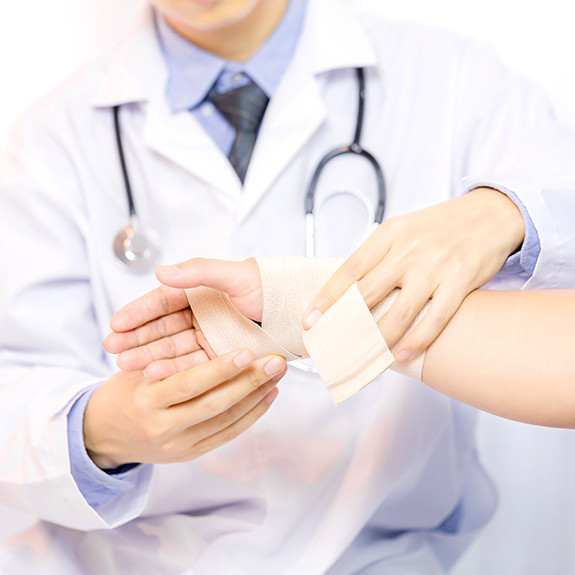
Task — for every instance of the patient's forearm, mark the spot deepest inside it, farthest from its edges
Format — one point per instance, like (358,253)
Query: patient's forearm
(511,354)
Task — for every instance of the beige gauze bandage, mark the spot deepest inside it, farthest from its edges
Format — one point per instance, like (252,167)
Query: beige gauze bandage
(345,345)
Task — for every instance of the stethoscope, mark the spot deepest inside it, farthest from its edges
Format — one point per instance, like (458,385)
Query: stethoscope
(354,148)
(134,248)
(139,251)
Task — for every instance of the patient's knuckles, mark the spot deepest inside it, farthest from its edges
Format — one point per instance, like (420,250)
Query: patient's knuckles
(367,289)
(402,312)
(438,316)
(352,270)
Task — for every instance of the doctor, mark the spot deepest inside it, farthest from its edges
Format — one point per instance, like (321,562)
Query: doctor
(389,481)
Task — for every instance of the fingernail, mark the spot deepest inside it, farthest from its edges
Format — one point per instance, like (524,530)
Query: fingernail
(402,356)
(274,366)
(169,271)
(148,376)
(311,318)
(244,358)
(271,396)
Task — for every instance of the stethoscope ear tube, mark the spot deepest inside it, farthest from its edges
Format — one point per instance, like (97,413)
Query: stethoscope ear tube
(118,132)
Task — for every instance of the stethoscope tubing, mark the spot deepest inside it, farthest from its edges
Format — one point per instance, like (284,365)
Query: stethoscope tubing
(127,185)
(354,148)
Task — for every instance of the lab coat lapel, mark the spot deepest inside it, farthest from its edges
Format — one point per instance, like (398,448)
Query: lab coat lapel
(137,73)
(294,114)
(332,38)
(180,138)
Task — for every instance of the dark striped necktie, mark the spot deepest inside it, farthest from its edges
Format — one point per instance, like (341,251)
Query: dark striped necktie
(244,109)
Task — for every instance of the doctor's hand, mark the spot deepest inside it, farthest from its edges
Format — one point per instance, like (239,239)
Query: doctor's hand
(158,333)
(133,419)
(441,253)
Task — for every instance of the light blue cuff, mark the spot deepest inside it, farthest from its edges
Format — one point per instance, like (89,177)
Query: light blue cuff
(97,486)
(521,263)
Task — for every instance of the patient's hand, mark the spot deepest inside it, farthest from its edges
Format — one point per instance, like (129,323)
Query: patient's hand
(158,333)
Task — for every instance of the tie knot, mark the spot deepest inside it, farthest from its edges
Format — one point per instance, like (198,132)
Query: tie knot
(242,107)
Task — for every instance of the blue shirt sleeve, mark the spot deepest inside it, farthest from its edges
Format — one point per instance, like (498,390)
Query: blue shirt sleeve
(522,262)
(97,486)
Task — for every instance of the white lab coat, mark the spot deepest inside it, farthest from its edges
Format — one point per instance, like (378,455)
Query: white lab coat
(290,495)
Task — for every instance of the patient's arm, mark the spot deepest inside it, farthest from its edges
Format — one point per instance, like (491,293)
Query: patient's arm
(510,353)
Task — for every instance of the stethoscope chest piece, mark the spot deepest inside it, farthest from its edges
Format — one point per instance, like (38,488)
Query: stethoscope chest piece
(135,249)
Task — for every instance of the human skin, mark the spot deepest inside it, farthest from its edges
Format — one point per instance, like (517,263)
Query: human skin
(506,352)
(442,253)
(510,353)
(232,29)
(465,240)
(132,418)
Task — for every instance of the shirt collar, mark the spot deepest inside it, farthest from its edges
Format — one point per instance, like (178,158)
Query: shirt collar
(193,71)
(333,37)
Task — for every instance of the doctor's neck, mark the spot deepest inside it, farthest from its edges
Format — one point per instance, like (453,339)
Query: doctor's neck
(231,29)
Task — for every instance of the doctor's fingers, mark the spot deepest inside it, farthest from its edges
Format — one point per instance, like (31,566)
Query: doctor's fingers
(157,329)
(408,303)
(153,305)
(354,269)
(164,368)
(444,304)
(167,367)
(213,387)
(243,415)
(170,347)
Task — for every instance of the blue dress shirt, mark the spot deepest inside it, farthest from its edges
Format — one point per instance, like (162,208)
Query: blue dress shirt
(192,72)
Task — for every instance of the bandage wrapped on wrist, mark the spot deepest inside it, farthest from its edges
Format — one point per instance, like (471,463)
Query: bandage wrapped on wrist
(345,345)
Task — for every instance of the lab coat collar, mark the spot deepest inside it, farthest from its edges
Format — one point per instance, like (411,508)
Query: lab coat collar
(136,71)
(332,38)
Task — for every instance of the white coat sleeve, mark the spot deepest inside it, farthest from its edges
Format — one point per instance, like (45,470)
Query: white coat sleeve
(508,137)
(50,345)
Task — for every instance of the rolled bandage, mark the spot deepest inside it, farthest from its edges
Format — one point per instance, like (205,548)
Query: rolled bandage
(345,345)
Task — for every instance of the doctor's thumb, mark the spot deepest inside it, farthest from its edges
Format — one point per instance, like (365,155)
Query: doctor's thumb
(177,276)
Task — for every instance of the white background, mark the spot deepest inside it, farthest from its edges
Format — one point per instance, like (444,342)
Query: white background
(533,532)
